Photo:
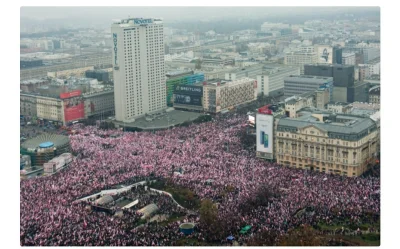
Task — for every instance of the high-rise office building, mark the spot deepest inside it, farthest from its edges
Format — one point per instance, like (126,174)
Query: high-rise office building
(343,75)
(337,55)
(138,62)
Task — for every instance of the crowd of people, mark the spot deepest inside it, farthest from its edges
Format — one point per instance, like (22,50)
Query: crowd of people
(213,151)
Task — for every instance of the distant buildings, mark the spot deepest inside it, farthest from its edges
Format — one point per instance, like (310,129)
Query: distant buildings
(367,53)
(271,81)
(102,60)
(250,72)
(349,59)
(76,72)
(300,59)
(30,62)
(209,60)
(66,100)
(138,61)
(100,75)
(266,26)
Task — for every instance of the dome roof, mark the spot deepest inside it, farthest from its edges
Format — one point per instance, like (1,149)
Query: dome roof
(46,140)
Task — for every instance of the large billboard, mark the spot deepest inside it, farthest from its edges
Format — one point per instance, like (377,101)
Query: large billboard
(265,127)
(72,94)
(189,90)
(187,99)
(325,54)
(74,109)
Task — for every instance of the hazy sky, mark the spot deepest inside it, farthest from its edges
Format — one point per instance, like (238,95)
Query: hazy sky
(176,13)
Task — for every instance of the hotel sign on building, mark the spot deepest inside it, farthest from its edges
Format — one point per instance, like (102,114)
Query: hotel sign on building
(115,40)
(142,21)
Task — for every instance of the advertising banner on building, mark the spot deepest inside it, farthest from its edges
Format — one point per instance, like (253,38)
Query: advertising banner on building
(325,54)
(189,90)
(187,99)
(72,94)
(265,125)
(252,120)
(74,109)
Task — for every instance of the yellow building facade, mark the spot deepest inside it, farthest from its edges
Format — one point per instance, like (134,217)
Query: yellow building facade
(344,147)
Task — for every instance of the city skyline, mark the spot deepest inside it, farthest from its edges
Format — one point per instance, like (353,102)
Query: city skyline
(246,126)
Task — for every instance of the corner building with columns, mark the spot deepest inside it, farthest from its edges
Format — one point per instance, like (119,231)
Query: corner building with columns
(339,144)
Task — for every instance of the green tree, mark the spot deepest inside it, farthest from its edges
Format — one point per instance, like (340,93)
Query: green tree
(208,212)
(305,235)
(265,238)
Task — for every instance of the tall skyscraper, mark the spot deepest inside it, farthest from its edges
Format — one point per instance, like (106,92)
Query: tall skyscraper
(138,61)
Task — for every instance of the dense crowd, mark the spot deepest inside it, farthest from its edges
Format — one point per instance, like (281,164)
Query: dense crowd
(212,150)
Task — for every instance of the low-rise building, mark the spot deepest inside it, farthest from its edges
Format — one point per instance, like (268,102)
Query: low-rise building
(33,84)
(296,103)
(51,109)
(247,72)
(220,95)
(348,58)
(99,104)
(324,142)
(207,60)
(77,72)
(322,98)
(271,81)
(339,107)
(28,106)
(216,73)
(100,75)
(62,106)
(299,84)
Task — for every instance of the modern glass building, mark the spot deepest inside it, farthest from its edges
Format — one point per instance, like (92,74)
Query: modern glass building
(180,78)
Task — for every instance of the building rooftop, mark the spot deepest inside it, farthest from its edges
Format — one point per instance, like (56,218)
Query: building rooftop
(248,69)
(376,90)
(329,65)
(30,59)
(137,21)
(350,126)
(338,103)
(214,82)
(271,70)
(33,81)
(348,54)
(308,78)
(178,73)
